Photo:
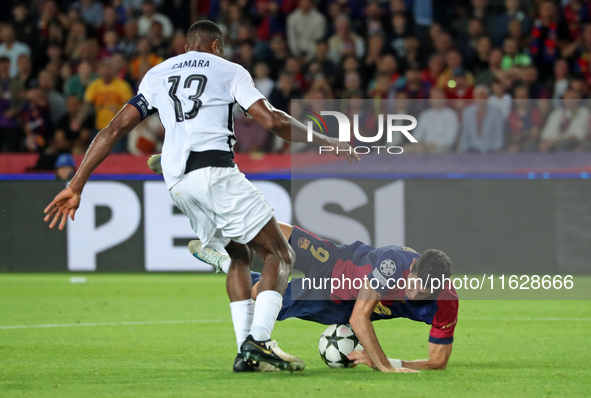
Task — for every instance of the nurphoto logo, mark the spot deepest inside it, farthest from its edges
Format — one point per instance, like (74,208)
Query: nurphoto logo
(392,126)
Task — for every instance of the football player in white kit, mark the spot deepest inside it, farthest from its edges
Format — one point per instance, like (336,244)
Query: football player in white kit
(193,94)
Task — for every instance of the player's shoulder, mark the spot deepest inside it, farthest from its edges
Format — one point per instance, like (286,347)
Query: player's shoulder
(398,251)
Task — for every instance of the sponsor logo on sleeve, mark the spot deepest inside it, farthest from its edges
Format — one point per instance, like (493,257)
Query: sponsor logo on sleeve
(379,277)
(388,267)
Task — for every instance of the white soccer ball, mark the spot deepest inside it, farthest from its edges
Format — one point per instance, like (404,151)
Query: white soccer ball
(336,342)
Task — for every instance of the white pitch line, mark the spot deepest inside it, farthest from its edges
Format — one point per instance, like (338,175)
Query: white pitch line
(69,325)
(467,318)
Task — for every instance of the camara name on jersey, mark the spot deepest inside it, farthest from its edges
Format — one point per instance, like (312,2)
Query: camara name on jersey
(191,64)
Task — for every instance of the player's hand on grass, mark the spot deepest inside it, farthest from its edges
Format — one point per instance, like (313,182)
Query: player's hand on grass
(343,148)
(361,357)
(63,205)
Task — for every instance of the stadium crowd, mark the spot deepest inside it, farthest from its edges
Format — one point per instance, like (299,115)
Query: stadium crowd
(499,75)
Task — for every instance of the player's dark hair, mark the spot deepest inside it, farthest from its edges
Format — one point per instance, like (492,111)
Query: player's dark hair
(432,264)
(204,31)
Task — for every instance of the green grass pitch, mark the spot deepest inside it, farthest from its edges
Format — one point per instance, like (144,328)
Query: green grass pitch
(171,336)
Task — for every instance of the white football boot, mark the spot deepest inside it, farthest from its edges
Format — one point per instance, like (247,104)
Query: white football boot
(154,164)
(213,257)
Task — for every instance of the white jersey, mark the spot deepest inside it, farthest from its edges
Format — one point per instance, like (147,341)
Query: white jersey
(194,94)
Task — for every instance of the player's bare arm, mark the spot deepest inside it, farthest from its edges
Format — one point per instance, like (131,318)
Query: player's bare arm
(67,201)
(361,323)
(288,128)
(438,357)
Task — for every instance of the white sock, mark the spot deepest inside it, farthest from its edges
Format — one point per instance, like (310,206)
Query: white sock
(242,312)
(266,310)
(226,265)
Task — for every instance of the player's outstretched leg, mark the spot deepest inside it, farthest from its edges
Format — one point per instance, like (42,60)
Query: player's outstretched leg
(278,257)
(218,260)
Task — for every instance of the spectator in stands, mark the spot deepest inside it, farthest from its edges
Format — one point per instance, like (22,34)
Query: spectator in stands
(121,68)
(106,95)
(537,89)
(158,44)
(128,44)
(579,53)
(512,57)
(434,70)
(76,41)
(525,123)
(144,57)
(469,44)
(502,22)
(480,60)
(437,128)
(382,87)
(110,22)
(279,55)
(57,102)
(65,167)
(459,91)
(11,103)
(352,85)
(24,25)
(11,48)
(561,81)
(25,72)
(574,13)
(177,44)
(78,83)
(149,16)
(325,65)
(549,33)
(292,65)
(400,31)
(110,40)
(305,27)
(402,106)
(36,118)
(482,125)
(344,41)
(245,55)
(453,61)
(134,7)
(567,126)
(261,79)
(91,11)
(75,141)
(517,34)
(501,99)
(486,76)
(284,91)
(412,83)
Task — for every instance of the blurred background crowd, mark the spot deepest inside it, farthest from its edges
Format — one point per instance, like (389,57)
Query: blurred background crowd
(488,75)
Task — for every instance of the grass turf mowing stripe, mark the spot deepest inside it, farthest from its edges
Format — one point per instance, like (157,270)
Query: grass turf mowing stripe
(67,325)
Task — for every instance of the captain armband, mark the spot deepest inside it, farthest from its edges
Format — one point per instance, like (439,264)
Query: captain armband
(140,103)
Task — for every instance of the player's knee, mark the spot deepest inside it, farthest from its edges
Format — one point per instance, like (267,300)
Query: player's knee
(241,253)
(288,256)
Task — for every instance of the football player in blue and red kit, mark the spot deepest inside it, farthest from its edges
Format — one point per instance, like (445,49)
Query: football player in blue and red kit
(385,283)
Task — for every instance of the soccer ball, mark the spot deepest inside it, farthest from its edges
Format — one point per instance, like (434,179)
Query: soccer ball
(336,342)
